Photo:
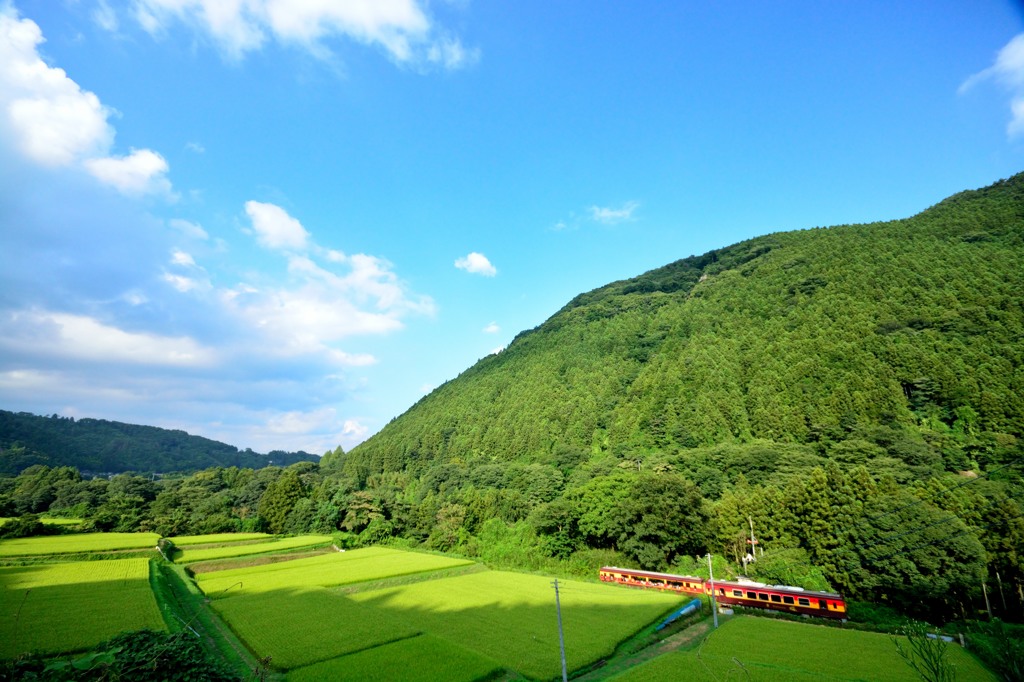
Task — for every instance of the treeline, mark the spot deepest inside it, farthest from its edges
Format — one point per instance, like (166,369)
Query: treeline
(924,548)
(100,446)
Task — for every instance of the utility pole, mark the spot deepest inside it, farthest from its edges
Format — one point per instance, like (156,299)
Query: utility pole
(714,602)
(561,636)
(753,542)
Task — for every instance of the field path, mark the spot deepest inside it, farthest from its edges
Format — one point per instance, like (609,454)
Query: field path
(619,664)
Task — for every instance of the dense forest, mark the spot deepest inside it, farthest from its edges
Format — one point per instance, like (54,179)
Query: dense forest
(100,446)
(852,397)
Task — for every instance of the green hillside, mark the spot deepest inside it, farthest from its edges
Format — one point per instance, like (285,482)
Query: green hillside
(909,331)
(98,445)
(855,393)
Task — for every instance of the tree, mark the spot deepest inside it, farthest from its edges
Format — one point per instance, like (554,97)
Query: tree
(279,499)
(663,516)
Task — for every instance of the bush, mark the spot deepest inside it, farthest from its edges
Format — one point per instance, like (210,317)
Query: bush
(26,526)
(141,656)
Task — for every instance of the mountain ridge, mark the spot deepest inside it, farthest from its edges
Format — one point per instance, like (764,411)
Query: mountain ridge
(845,295)
(103,446)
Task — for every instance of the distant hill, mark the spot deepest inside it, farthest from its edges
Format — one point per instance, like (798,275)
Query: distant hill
(100,446)
(899,345)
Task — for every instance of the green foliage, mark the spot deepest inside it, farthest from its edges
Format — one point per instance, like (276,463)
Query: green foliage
(25,526)
(143,655)
(98,445)
(927,655)
(1001,646)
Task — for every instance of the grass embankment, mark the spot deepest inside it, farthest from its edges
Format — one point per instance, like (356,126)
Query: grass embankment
(767,650)
(185,609)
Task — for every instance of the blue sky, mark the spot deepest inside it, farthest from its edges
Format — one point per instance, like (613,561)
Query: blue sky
(279,224)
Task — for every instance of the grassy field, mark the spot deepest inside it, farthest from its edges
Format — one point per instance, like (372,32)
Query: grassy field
(216,538)
(326,570)
(72,606)
(510,617)
(76,544)
(766,650)
(298,628)
(416,659)
(190,555)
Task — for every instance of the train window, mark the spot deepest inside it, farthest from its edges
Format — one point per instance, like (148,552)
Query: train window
(803,601)
(762,596)
(776,598)
(737,593)
(721,591)
(751,595)
(787,600)
(822,604)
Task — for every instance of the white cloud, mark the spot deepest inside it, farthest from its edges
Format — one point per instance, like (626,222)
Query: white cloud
(141,172)
(179,257)
(492,328)
(54,123)
(189,229)
(1008,71)
(195,147)
(610,216)
(476,263)
(105,17)
(400,27)
(275,229)
(324,302)
(79,337)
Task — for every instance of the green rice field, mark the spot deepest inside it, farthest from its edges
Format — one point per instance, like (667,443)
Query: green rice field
(326,570)
(76,544)
(72,606)
(297,628)
(185,556)
(510,617)
(767,650)
(416,659)
(217,538)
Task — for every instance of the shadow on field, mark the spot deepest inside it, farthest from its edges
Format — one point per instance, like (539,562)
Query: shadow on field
(69,617)
(509,618)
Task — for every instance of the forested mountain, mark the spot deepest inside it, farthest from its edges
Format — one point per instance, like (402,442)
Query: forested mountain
(873,343)
(854,396)
(97,445)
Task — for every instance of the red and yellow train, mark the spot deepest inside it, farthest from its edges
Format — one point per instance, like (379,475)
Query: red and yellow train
(740,593)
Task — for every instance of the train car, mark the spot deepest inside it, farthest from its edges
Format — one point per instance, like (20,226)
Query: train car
(735,593)
(687,584)
(778,598)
